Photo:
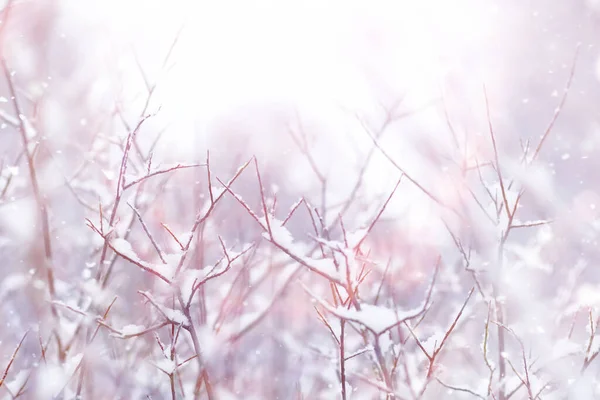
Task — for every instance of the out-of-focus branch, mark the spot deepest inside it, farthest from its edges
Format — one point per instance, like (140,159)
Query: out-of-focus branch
(12,359)
(39,198)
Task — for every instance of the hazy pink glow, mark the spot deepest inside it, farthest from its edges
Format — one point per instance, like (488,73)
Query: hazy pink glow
(298,88)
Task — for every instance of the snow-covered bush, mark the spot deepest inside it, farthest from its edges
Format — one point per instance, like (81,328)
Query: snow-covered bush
(387,244)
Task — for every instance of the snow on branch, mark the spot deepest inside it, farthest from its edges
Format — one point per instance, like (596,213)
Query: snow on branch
(281,237)
(275,232)
(378,319)
(123,248)
(9,119)
(130,331)
(135,180)
(175,317)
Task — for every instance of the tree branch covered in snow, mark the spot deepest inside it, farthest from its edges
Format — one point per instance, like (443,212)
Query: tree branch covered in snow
(371,228)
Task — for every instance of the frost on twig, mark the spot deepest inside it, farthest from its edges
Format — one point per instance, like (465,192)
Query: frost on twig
(175,317)
(123,248)
(134,180)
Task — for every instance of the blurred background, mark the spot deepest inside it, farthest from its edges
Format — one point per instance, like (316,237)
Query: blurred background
(305,87)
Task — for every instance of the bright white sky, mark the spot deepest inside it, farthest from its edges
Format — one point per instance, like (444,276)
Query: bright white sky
(320,58)
(313,54)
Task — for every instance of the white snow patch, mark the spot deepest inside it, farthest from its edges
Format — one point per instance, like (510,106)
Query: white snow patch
(166,365)
(376,318)
(129,330)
